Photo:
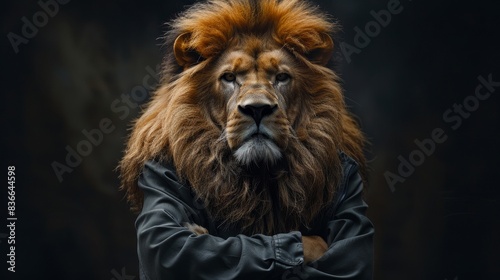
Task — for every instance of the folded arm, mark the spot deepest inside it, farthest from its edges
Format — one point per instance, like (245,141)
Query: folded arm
(348,233)
(169,250)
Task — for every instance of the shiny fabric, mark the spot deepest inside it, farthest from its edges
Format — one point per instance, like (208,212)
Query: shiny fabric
(169,251)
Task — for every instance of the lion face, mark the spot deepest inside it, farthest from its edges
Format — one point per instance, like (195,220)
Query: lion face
(257,89)
(249,114)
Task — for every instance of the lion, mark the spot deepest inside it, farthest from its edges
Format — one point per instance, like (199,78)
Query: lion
(249,113)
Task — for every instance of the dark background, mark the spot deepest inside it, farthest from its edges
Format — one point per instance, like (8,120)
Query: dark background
(442,222)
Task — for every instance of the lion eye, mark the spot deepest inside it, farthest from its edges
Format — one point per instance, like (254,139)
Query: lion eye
(229,77)
(282,77)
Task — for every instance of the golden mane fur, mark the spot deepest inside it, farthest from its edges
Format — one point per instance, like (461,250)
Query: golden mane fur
(185,122)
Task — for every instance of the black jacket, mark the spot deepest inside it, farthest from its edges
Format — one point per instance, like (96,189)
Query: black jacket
(169,251)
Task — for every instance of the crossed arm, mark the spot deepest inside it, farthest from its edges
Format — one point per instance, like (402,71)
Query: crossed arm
(169,250)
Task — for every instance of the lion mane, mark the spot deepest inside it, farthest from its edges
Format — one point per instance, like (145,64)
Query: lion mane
(279,182)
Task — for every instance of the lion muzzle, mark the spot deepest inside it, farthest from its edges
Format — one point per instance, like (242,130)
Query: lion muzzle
(258,145)
(257,109)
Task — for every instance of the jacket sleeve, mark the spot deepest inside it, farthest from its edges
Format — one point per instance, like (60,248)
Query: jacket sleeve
(168,250)
(348,233)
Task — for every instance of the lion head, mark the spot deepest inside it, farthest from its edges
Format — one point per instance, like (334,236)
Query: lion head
(249,114)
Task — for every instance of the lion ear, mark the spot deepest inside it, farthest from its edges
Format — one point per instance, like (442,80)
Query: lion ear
(321,53)
(185,55)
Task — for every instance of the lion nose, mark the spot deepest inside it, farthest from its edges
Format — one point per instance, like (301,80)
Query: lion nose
(257,110)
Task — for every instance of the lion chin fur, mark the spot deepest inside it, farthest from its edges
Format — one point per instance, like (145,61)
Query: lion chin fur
(258,151)
(249,114)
